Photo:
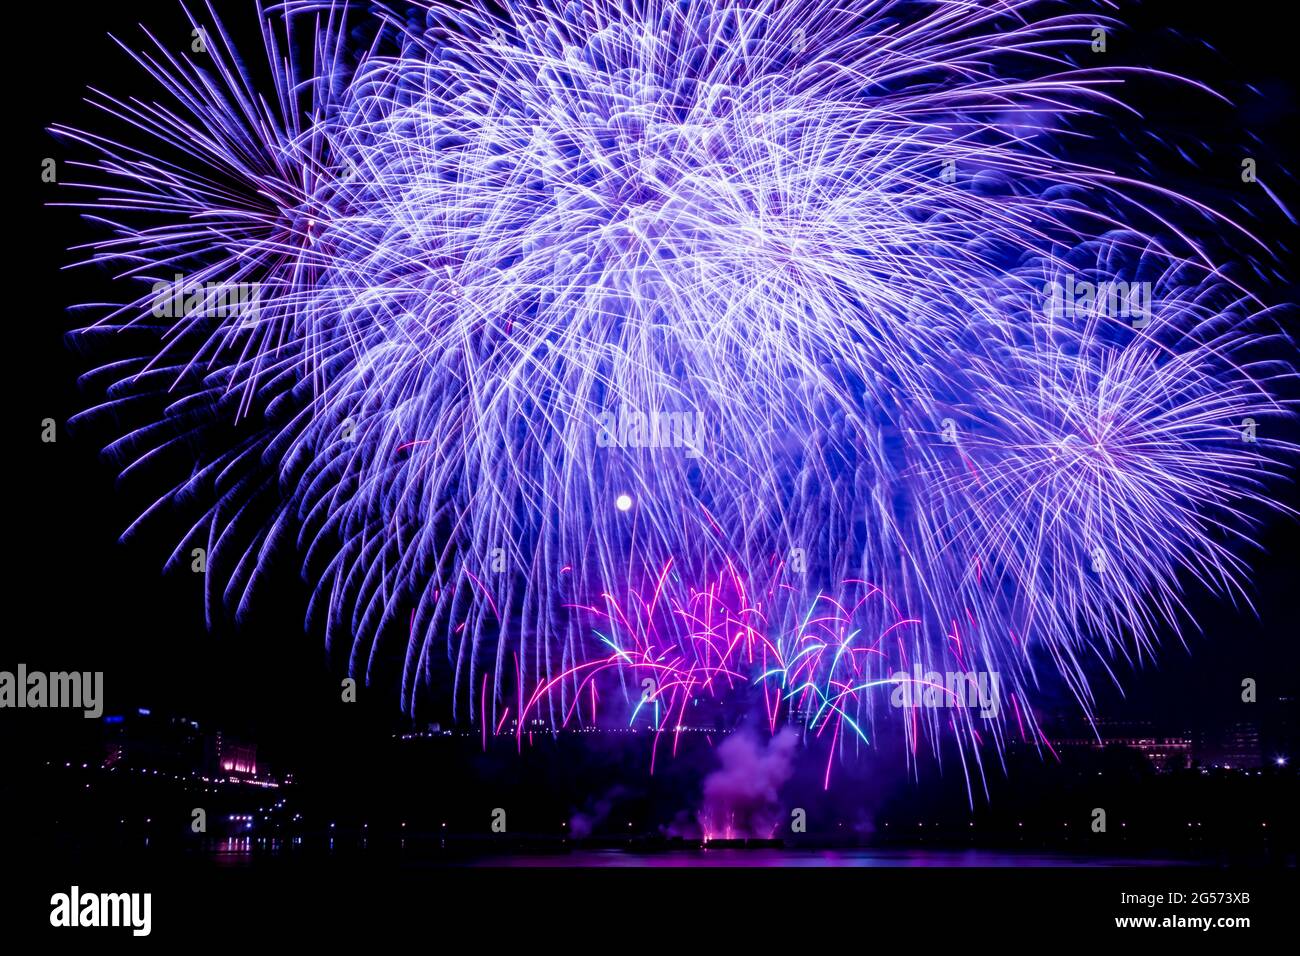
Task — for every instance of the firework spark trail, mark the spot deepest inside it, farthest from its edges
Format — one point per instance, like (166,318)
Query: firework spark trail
(824,667)
(478,234)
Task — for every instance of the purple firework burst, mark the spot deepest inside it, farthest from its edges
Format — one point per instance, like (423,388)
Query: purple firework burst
(547,307)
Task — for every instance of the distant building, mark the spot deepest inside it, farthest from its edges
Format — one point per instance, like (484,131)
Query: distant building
(1162,750)
(1281,737)
(142,739)
(1236,747)
(229,757)
(176,747)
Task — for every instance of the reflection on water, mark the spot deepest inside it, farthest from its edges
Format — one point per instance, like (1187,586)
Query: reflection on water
(243,852)
(818,858)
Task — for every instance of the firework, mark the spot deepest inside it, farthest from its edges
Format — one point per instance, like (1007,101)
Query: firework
(744,344)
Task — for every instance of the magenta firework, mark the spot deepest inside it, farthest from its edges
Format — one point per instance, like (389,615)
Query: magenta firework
(619,356)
